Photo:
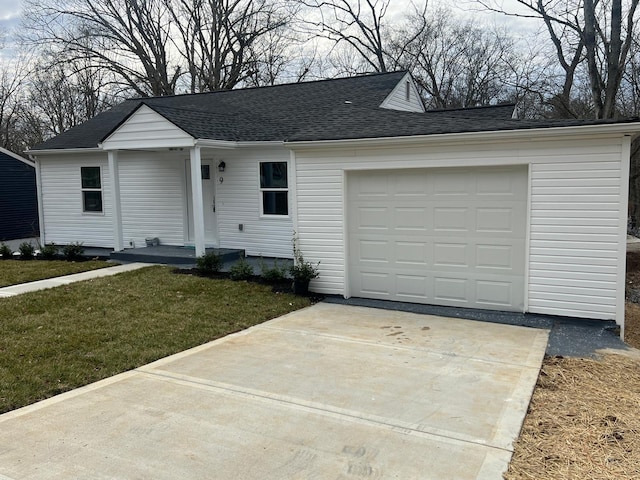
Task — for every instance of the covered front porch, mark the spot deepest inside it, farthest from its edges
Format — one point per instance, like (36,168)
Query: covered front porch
(148,133)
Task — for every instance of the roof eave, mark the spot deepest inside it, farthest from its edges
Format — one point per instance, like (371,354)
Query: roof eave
(529,134)
(50,151)
(17,157)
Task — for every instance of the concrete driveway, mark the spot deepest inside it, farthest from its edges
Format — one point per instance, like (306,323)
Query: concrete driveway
(328,392)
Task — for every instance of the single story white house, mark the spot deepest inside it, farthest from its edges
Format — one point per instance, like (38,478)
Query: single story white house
(467,207)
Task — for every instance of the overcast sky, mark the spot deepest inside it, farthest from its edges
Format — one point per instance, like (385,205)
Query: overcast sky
(10,15)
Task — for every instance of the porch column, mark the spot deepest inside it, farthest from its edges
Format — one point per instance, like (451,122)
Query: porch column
(196,193)
(114,180)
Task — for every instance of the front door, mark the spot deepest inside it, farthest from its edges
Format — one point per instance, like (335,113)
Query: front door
(207,175)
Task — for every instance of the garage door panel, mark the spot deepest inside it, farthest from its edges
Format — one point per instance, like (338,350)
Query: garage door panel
(449,183)
(411,218)
(441,236)
(494,293)
(412,253)
(451,255)
(374,251)
(495,257)
(373,218)
(408,185)
(501,183)
(451,290)
(495,220)
(375,283)
(412,287)
(451,219)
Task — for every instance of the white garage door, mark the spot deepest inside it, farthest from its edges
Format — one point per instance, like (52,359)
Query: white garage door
(439,236)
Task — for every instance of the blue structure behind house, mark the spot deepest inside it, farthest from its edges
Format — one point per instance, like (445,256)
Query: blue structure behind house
(18,197)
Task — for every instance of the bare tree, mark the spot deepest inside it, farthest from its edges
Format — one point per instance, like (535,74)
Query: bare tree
(12,77)
(65,95)
(456,63)
(129,38)
(358,24)
(220,40)
(599,32)
(155,47)
(283,56)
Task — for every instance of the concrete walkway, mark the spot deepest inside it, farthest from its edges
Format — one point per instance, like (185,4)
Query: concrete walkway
(14,290)
(327,392)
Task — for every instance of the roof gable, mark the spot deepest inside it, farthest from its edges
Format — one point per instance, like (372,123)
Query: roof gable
(404,97)
(146,128)
(9,155)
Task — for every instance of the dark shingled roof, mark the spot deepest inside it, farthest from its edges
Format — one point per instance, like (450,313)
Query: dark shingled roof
(344,108)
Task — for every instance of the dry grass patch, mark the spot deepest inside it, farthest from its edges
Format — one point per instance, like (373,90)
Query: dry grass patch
(13,272)
(583,422)
(632,324)
(584,418)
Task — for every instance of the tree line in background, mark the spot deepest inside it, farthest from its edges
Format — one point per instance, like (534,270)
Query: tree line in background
(82,56)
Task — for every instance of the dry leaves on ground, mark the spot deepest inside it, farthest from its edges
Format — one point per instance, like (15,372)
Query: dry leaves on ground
(583,422)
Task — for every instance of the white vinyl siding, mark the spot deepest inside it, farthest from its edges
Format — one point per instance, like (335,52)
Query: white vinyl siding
(238,203)
(64,220)
(574,235)
(147,129)
(574,239)
(399,100)
(152,197)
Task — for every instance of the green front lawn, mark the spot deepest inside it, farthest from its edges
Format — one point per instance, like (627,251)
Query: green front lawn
(13,272)
(59,339)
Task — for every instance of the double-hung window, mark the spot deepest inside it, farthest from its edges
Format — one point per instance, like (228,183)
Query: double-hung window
(274,188)
(91,189)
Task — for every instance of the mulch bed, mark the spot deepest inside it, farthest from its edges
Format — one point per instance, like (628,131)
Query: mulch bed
(278,286)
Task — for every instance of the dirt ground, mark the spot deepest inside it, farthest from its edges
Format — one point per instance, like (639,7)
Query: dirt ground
(584,418)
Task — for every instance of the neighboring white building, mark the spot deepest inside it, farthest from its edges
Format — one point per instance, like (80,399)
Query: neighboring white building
(464,207)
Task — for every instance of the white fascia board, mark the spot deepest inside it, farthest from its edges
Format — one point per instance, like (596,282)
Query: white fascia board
(275,143)
(530,134)
(226,145)
(148,145)
(221,144)
(17,157)
(57,151)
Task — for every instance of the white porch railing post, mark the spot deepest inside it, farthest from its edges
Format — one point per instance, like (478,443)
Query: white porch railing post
(114,180)
(198,207)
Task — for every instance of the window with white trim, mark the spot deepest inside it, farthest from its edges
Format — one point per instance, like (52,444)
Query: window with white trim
(91,189)
(274,188)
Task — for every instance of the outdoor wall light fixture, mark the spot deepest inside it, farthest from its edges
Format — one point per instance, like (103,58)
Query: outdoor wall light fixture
(221,166)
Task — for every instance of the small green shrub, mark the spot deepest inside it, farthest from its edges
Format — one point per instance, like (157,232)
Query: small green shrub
(49,251)
(302,270)
(275,273)
(5,251)
(27,251)
(209,263)
(73,251)
(241,270)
